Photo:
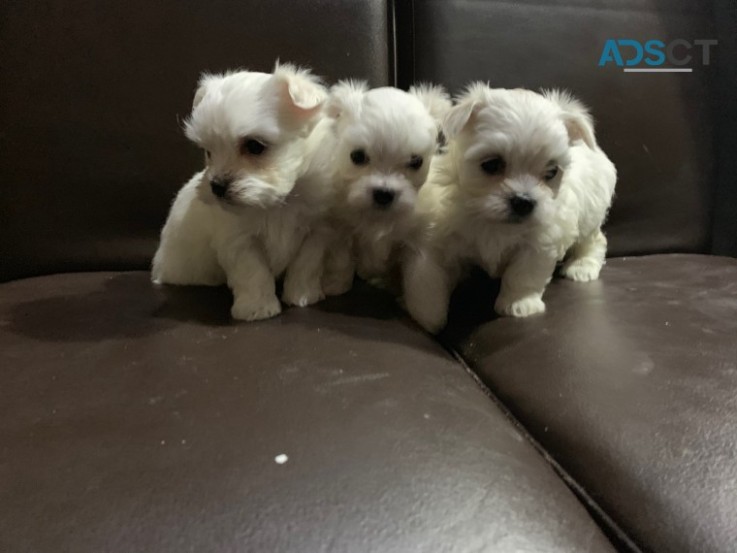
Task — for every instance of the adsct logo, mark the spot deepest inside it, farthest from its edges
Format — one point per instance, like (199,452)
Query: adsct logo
(655,56)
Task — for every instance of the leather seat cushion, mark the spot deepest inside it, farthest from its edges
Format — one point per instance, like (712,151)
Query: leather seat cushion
(141,419)
(631,384)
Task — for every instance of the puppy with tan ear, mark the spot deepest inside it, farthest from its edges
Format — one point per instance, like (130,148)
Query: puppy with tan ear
(523,186)
(242,219)
(375,148)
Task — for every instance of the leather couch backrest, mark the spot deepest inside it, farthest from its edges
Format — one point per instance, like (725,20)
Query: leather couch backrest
(92,98)
(91,102)
(724,233)
(659,129)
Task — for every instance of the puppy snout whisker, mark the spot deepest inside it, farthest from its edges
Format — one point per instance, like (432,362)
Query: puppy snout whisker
(383,197)
(220,187)
(521,205)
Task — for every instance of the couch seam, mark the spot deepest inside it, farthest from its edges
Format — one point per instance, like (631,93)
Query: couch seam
(392,41)
(404,42)
(578,490)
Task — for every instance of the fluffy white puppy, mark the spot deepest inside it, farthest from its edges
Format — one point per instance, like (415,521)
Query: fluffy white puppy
(376,149)
(241,220)
(523,186)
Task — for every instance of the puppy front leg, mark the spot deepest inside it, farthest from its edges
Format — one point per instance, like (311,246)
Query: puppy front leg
(303,281)
(340,267)
(250,279)
(523,284)
(586,258)
(372,259)
(427,287)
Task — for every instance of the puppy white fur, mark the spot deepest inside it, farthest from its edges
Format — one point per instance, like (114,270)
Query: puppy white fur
(523,184)
(242,219)
(376,148)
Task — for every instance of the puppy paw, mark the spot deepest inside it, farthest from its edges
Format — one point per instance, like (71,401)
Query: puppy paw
(582,270)
(431,325)
(429,317)
(523,307)
(255,309)
(336,286)
(302,296)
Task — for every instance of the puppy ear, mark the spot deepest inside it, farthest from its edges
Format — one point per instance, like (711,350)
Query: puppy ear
(346,96)
(201,91)
(204,86)
(580,127)
(434,98)
(576,117)
(300,92)
(206,79)
(458,117)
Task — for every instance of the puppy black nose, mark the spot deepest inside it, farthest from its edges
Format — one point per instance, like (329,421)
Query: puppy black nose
(219,187)
(522,205)
(383,197)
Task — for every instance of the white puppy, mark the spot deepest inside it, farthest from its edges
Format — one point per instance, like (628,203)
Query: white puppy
(523,184)
(376,147)
(242,219)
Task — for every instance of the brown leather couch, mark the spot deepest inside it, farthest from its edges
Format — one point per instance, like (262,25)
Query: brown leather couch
(139,419)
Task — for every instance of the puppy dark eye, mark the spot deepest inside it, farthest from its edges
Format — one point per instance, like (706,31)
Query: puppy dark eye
(208,155)
(415,162)
(253,147)
(551,173)
(493,166)
(359,157)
